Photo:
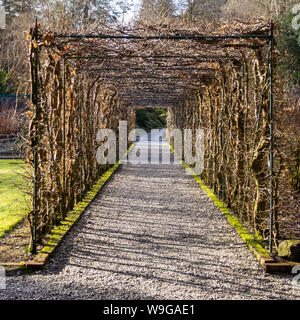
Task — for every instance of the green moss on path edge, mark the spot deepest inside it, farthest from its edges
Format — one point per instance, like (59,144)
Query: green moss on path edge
(253,244)
(59,232)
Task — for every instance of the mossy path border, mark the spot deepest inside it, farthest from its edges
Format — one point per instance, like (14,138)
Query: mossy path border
(59,232)
(269,264)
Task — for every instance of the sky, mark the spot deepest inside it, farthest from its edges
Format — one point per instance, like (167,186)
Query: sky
(135,5)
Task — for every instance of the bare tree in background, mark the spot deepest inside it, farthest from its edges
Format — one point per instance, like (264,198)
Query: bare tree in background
(14,8)
(252,9)
(151,10)
(59,15)
(203,9)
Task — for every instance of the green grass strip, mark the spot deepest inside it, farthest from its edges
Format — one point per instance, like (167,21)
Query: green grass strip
(252,243)
(14,203)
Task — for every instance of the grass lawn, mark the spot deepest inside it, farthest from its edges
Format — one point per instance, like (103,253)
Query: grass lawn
(14,204)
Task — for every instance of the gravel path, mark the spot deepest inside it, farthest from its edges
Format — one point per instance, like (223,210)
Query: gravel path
(151,233)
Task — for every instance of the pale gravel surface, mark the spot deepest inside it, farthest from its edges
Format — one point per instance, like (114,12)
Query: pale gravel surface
(151,233)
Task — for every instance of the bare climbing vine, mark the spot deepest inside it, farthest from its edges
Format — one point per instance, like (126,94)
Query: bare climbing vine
(220,84)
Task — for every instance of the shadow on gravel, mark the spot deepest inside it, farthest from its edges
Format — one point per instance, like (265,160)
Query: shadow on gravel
(151,234)
(147,258)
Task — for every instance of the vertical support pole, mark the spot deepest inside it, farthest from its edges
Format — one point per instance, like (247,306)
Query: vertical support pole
(35,148)
(243,96)
(80,138)
(64,138)
(244,107)
(223,139)
(271,142)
